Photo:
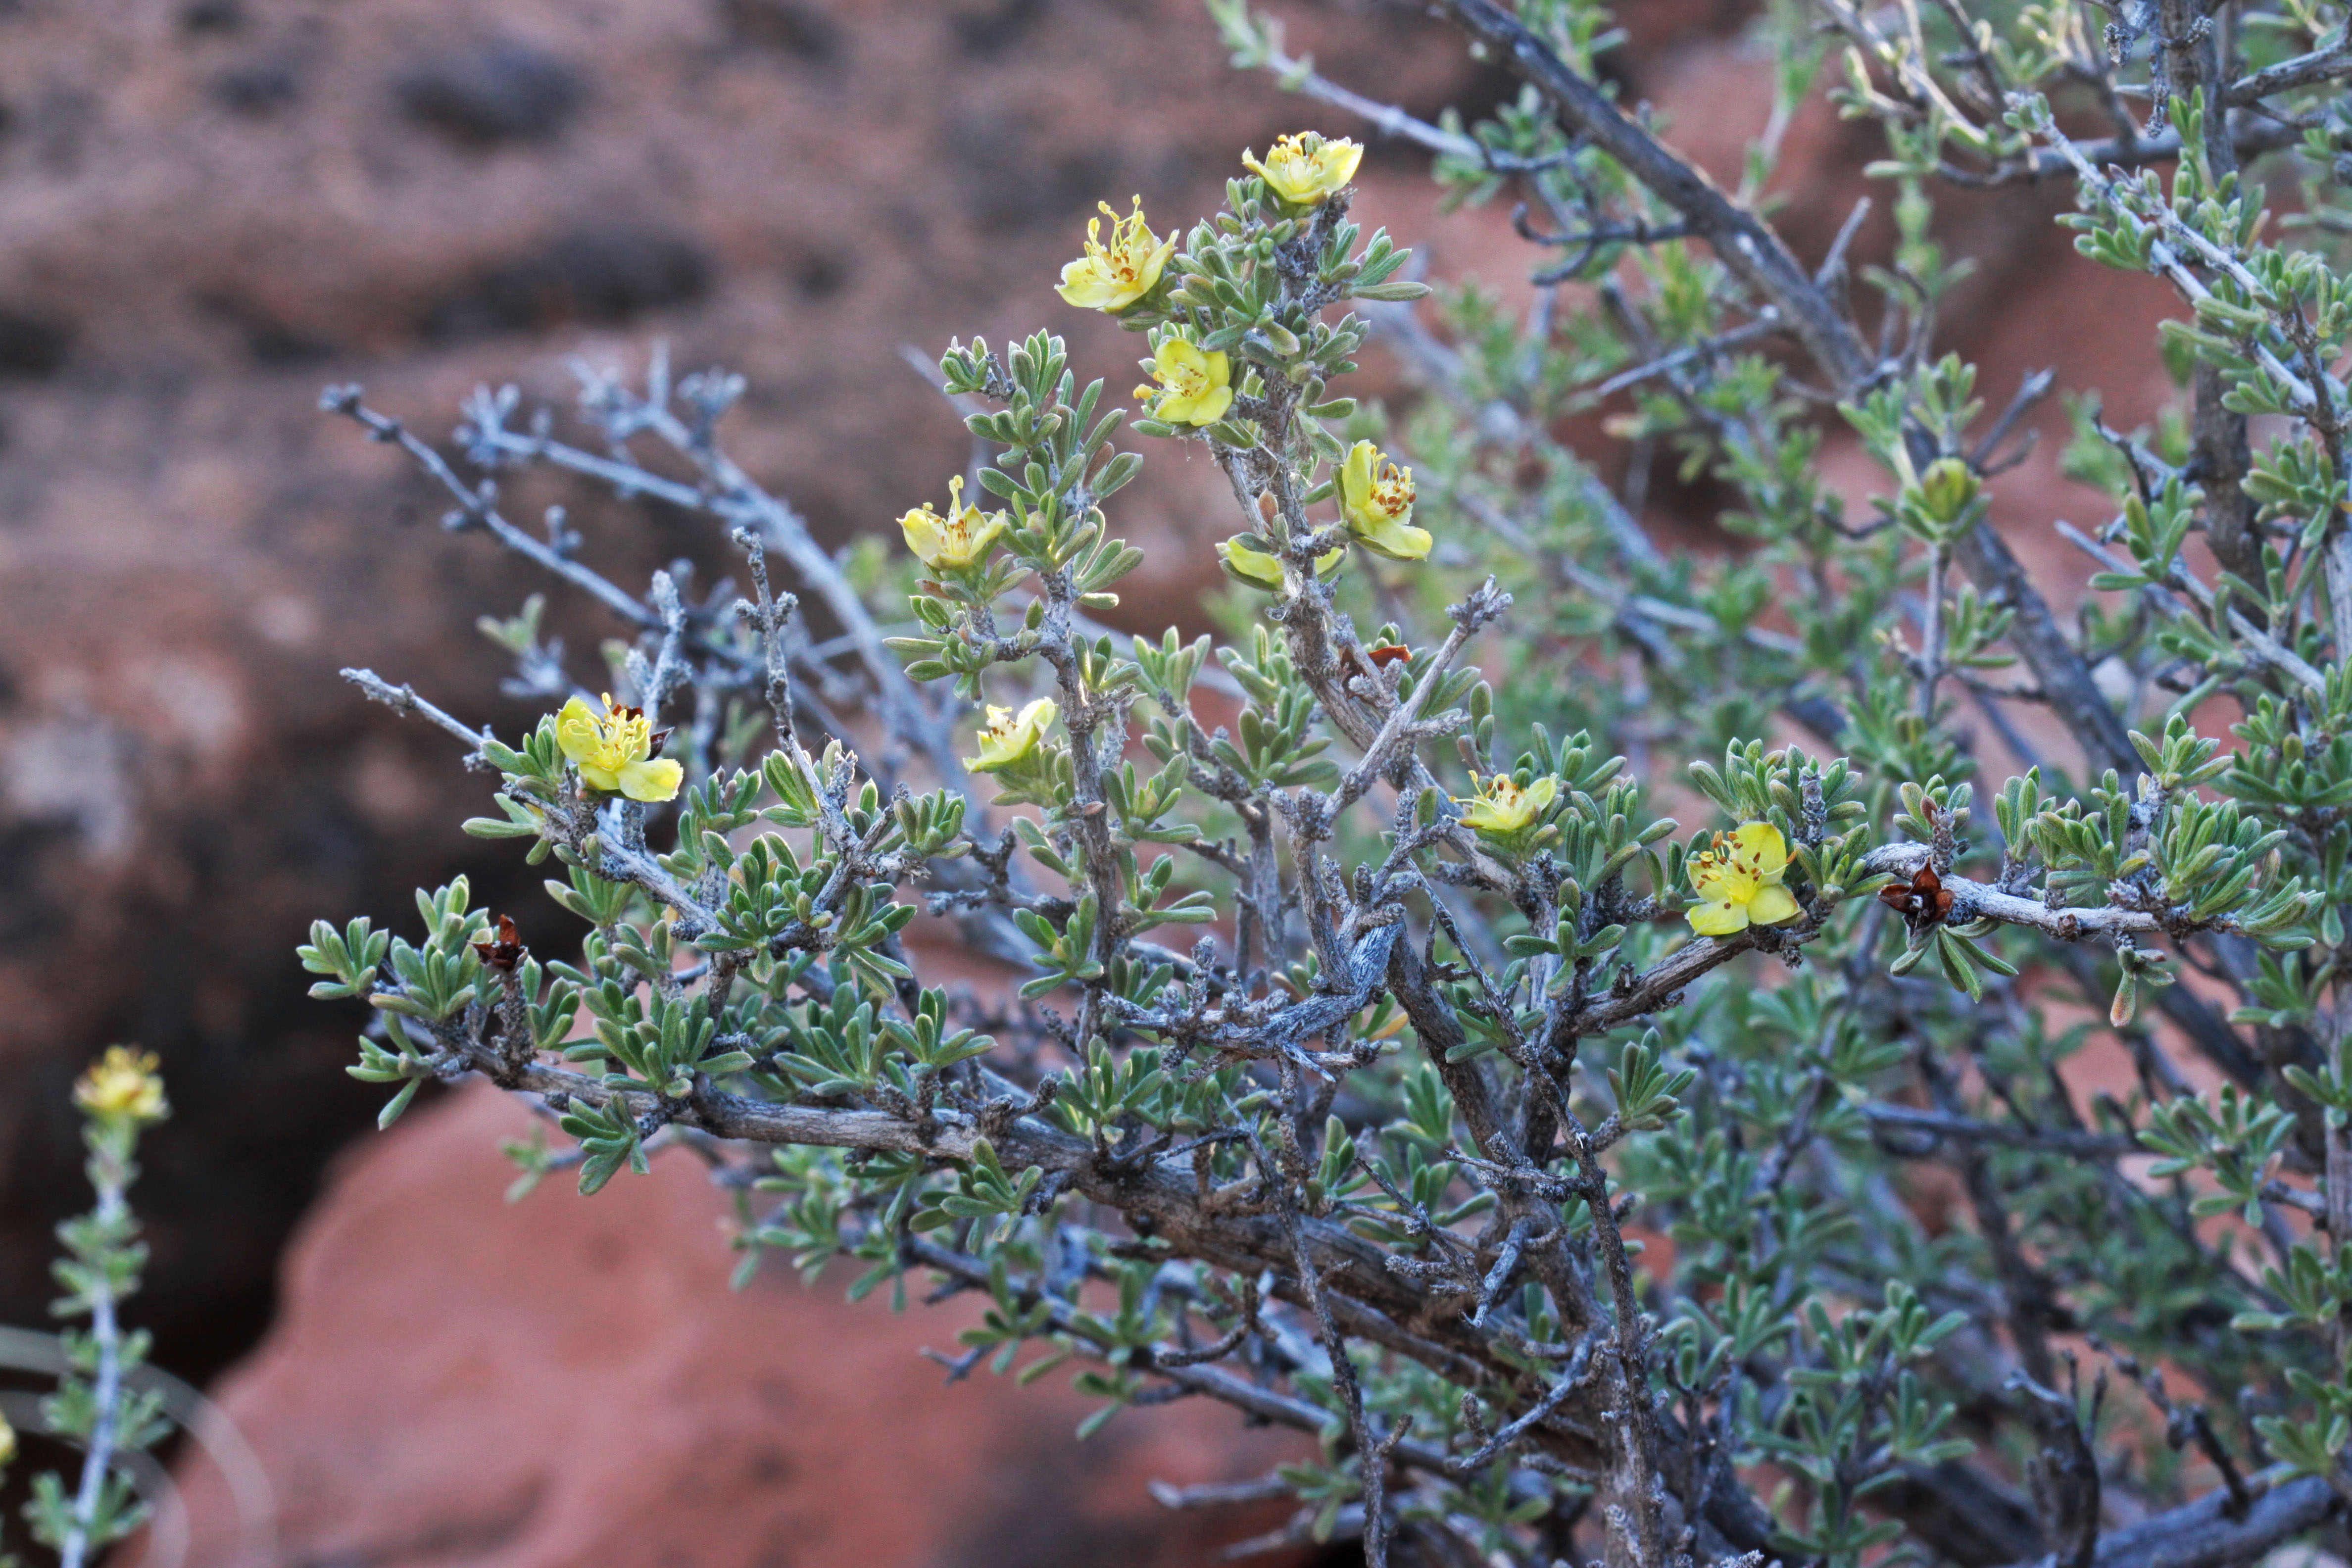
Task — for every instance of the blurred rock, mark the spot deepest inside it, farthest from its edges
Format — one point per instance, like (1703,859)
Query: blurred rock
(503,91)
(796,27)
(565,1380)
(605,276)
(33,346)
(211,16)
(259,90)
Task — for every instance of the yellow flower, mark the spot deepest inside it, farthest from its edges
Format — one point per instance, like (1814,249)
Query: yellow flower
(1376,497)
(1504,810)
(122,1085)
(1259,568)
(1739,882)
(1195,387)
(615,749)
(1005,741)
(1113,277)
(1302,168)
(963,538)
(7,1441)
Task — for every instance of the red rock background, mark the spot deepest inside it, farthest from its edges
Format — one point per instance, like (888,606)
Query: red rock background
(569,1379)
(208,209)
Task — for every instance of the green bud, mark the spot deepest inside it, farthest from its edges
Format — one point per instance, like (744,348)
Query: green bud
(1947,487)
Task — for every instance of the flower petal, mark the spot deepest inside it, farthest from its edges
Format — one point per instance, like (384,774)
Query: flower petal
(1398,541)
(652,779)
(990,532)
(1760,843)
(1772,905)
(1356,479)
(1088,285)
(658,778)
(1714,919)
(576,729)
(1251,565)
(1157,263)
(925,534)
(1176,355)
(1210,405)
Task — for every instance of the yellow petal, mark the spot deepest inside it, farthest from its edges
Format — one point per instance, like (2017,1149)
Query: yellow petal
(1251,565)
(658,778)
(1772,905)
(1175,355)
(1760,845)
(1356,478)
(596,777)
(985,540)
(1396,540)
(1718,879)
(1155,266)
(576,729)
(1338,161)
(1088,285)
(1714,919)
(926,533)
(1210,407)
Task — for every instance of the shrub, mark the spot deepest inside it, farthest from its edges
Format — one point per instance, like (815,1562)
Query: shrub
(108,1402)
(1567,1169)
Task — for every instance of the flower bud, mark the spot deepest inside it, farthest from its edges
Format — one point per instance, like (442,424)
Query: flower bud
(1947,488)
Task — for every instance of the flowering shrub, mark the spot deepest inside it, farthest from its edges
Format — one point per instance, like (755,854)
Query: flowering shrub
(107,1403)
(1569,1172)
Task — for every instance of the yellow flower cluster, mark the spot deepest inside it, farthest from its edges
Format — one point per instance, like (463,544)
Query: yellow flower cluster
(122,1085)
(1739,882)
(1194,386)
(1303,169)
(615,750)
(962,539)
